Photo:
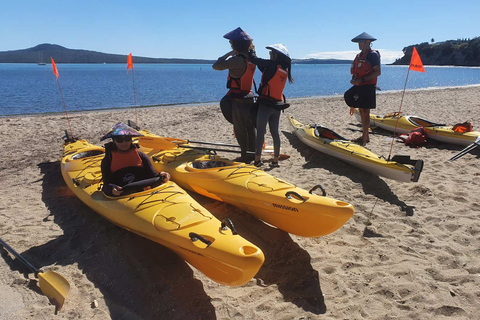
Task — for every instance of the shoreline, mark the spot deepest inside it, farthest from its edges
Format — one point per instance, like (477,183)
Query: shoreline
(410,250)
(197,104)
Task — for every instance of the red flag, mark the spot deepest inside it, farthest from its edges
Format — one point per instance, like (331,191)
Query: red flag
(416,63)
(55,71)
(129,62)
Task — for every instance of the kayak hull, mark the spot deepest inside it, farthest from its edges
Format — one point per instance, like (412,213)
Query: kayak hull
(165,214)
(435,131)
(272,200)
(357,155)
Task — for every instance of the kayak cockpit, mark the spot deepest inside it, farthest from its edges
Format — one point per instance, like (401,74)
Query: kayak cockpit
(326,133)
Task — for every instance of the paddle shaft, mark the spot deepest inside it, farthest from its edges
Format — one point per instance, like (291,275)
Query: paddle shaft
(214,149)
(19,257)
(215,144)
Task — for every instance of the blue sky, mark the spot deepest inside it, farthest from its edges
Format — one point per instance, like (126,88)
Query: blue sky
(194,29)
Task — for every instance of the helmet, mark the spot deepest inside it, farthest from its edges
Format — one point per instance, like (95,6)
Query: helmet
(363,36)
(279,48)
(237,34)
(121,129)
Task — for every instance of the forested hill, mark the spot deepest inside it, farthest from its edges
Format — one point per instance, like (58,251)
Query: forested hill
(64,55)
(43,52)
(449,53)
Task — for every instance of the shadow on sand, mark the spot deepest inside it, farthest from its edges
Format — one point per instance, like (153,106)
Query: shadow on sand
(138,278)
(286,264)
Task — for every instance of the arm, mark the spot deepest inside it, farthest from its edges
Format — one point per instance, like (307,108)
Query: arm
(108,188)
(223,63)
(147,164)
(262,64)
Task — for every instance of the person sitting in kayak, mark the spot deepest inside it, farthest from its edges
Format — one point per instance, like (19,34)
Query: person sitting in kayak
(123,163)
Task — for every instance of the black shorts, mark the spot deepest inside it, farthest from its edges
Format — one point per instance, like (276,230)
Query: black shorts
(363,97)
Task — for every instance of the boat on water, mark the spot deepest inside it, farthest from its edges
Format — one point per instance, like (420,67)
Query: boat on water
(165,214)
(272,200)
(400,168)
(405,123)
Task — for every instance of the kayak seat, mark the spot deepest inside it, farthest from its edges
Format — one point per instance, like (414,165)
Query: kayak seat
(209,164)
(323,132)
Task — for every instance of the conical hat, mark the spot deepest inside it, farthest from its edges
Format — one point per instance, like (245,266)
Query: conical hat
(363,36)
(121,129)
(237,34)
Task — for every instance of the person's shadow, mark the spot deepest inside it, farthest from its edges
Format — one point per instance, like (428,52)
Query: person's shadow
(371,184)
(286,264)
(138,278)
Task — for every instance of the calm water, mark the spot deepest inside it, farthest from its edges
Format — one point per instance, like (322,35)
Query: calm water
(29,88)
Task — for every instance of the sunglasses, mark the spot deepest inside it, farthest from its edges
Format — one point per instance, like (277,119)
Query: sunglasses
(123,139)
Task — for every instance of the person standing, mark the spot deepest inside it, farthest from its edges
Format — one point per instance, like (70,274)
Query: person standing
(365,71)
(238,102)
(275,73)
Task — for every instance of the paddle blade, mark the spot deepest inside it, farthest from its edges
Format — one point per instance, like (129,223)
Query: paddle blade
(159,142)
(54,286)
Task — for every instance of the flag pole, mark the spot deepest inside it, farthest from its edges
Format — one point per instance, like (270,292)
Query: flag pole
(415,65)
(398,117)
(55,71)
(130,66)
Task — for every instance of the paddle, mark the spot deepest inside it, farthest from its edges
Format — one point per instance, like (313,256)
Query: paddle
(469,148)
(53,285)
(172,143)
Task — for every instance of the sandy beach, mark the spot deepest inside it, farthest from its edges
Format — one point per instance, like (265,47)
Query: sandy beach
(411,250)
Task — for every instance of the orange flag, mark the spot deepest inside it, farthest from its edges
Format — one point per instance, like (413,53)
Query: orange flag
(416,63)
(55,71)
(129,62)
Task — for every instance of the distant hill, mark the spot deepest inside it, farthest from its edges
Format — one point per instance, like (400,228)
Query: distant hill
(464,52)
(60,54)
(64,55)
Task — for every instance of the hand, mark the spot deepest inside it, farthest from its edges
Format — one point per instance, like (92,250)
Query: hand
(117,190)
(166,176)
(352,111)
(356,81)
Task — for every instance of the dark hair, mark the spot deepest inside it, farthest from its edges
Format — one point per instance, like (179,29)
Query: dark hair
(241,45)
(286,63)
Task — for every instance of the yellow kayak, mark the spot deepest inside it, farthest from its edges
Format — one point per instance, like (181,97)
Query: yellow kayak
(439,132)
(167,215)
(272,200)
(400,168)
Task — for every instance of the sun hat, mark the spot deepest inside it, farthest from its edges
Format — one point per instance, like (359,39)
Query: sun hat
(121,129)
(237,34)
(363,36)
(279,48)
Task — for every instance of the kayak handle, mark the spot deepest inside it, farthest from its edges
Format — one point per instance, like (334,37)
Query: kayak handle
(195,236)
(318,186)
(292,194)
(227,223)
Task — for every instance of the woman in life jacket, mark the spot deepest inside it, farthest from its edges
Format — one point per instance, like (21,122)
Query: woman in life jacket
(123,163)
(237,104)
(275,73)
(365,70)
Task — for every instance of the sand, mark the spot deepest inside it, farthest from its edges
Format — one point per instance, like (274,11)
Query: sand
(411,250)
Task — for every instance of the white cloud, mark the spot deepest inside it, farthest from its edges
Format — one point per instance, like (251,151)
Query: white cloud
(387,56)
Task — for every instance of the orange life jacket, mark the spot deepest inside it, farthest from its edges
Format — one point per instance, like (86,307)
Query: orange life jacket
(273,89)
(242,85)
(124,159)
(361,67)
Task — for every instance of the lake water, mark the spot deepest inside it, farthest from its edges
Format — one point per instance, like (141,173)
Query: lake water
(30,88)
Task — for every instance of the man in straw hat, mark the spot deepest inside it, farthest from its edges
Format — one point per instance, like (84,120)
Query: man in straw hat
(365,70)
